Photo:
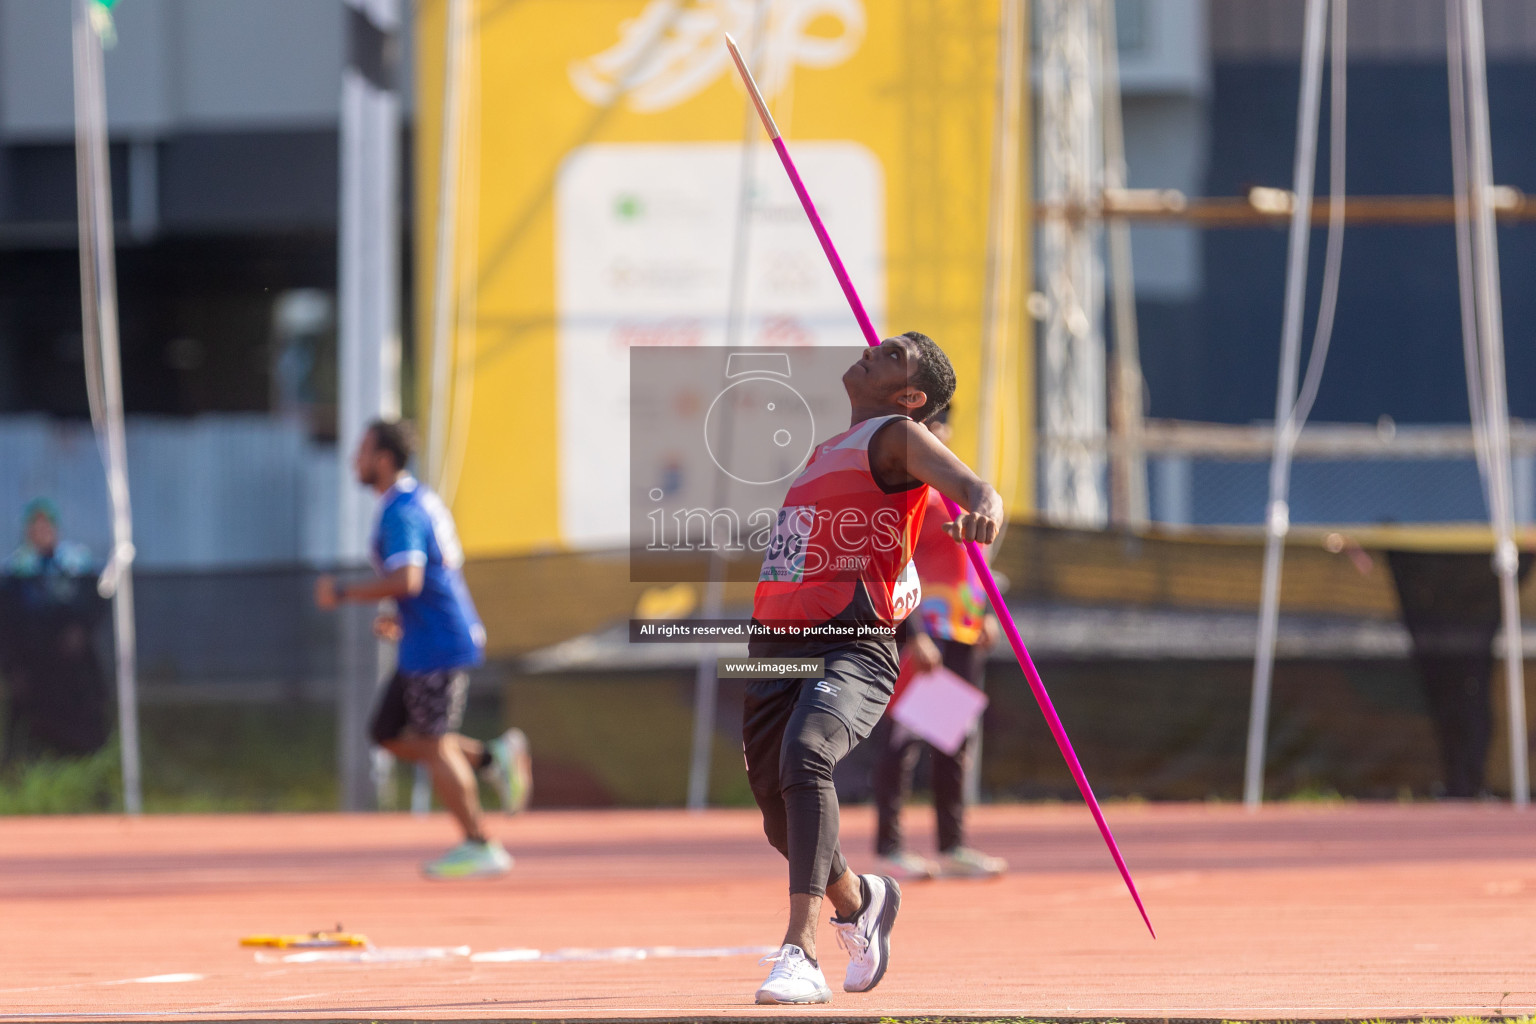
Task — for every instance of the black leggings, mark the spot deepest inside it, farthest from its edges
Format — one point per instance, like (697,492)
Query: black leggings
(794,732)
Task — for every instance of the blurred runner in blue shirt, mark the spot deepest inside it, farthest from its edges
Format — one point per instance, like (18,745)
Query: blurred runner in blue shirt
(418,558)
(439,628)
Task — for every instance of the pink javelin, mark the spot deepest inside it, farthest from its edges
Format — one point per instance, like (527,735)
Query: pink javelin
(1052,719)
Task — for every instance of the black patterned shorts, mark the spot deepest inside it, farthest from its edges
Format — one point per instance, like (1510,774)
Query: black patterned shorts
(426,703)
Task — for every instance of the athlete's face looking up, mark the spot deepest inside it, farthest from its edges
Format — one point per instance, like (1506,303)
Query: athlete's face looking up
(880,380)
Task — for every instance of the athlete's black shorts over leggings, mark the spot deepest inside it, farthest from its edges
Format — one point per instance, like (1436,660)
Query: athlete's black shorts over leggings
(794,732)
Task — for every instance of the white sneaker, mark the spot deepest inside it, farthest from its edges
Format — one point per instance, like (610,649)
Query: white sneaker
(794,979)
(906,866)
(867,938)
(965,862)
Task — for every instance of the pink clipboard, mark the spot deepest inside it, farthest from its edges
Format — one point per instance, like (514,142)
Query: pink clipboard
(941,707)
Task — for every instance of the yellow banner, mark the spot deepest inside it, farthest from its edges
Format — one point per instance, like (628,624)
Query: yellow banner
(600,207)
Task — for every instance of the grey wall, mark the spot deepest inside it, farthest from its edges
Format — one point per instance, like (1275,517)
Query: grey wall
(178,65)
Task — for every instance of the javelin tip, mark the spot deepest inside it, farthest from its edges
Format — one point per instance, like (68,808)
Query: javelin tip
(752,90)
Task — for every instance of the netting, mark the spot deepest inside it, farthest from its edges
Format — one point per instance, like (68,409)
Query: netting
(1211,490)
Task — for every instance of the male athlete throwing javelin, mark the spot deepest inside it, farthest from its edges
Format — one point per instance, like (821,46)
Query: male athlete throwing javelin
(840,559)
(417,554)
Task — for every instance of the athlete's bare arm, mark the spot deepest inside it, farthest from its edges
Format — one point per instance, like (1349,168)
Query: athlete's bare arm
(405,581)
(904,450)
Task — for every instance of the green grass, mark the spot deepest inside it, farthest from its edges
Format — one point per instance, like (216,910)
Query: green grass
(213,757)
(239,757)
(196,758)
(595,740)
(63,786)
(1317,793)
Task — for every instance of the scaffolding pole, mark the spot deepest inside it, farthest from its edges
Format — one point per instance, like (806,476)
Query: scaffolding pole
(1128,467)
(1072,392)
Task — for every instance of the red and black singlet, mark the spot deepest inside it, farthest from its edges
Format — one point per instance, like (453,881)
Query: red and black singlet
(841,546)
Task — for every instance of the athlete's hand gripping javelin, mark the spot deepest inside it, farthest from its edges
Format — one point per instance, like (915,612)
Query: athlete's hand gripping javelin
(907,450)
(928,460)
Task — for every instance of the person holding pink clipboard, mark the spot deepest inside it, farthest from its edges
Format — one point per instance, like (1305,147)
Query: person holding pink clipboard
(952,629)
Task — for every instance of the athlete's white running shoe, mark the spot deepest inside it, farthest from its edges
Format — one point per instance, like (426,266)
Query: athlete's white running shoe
(794,979)
(867,938)
(470,860)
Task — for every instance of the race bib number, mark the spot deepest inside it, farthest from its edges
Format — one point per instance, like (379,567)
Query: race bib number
(906,592)
(784,561)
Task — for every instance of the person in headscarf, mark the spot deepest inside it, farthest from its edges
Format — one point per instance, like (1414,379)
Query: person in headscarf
(49,611)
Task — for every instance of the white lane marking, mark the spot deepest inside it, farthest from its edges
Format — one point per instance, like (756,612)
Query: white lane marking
(616,953)
(406,954)
(152,979)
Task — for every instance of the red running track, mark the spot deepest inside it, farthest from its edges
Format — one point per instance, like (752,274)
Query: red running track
(1301,911)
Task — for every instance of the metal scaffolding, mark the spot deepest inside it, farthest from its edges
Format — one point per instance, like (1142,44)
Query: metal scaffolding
(1073,390)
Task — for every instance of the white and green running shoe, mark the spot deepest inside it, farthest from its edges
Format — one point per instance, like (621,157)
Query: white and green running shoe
(470,859)
(906,866)
(510,772)
(964,862)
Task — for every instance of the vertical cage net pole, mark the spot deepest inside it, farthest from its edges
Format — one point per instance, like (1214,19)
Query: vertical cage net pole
(1278,518)
(103,372)
(1485,272)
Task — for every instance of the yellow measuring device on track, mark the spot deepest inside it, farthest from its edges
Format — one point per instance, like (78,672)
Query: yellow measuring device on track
(314,940)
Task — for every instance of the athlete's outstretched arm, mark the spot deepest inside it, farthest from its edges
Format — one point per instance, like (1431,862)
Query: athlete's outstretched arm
(907,450)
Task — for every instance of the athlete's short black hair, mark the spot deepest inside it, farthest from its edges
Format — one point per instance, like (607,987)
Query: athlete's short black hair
(933,375)
(395,437)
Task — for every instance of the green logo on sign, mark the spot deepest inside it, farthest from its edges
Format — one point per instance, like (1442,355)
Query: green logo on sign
(628,207)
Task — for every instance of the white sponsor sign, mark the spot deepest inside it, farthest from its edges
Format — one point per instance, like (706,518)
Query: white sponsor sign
(645,237)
